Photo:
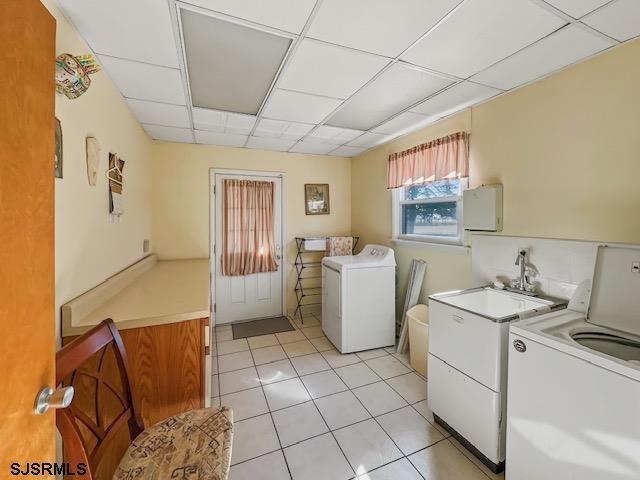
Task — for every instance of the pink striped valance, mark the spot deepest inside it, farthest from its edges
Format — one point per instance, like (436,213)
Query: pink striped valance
(440,159)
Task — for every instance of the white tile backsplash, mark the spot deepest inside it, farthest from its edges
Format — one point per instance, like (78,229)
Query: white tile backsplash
(561,264)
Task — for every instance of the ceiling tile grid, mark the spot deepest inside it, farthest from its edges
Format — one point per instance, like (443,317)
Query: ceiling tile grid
(481,33)
(564,47)
(331,77)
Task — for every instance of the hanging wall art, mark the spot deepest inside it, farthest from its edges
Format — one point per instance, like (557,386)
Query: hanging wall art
(93,159)
(57,155)
(116,184)
(72,74)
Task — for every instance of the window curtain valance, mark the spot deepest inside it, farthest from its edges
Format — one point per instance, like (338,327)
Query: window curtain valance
(440,159)
(248,227)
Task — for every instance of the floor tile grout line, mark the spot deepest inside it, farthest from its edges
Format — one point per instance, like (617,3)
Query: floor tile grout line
(355,474)
(275,429)
(372,417)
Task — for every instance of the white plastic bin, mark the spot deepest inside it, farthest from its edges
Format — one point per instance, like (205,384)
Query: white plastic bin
(418,337)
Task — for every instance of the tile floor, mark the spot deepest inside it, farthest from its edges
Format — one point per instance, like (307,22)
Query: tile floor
(303,411)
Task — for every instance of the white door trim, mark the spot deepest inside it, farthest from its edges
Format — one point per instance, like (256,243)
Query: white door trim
(212,229)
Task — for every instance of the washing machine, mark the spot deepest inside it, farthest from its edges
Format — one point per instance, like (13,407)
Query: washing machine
(358,299)
(574,381)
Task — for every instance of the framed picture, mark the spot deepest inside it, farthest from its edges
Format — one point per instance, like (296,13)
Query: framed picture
(57,159)
(316,198)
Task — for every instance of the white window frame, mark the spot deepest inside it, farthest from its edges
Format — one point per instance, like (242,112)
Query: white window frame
(397,200)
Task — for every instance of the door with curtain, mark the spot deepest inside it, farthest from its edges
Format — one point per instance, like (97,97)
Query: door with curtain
(247,247)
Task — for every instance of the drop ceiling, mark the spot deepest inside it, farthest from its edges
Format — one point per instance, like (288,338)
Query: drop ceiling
(331,77)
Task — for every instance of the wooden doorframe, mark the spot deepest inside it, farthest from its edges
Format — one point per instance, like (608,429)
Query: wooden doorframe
(212,229)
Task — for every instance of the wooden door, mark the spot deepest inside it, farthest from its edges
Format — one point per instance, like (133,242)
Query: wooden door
(27,345)
(258,295)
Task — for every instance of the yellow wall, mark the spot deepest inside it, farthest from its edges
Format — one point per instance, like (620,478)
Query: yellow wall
(181,196)
(89,249)
(565,148)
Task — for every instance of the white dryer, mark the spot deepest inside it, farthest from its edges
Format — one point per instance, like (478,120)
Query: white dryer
(358,299)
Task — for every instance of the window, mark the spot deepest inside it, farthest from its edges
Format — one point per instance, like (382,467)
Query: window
(431,212)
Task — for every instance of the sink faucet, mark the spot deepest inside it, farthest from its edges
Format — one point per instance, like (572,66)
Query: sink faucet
(521,284)
(521,261)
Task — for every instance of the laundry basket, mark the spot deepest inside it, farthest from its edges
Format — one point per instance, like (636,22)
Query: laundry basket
(418,337)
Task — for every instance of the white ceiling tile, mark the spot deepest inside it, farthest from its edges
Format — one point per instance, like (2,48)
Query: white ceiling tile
(404,123)
(577,8)
(299,107)
(160,113)
(240,124)
(223,139)
(222,122)
(377,26)
(313,147)
(270,128)
(137,30)
(333,135)
(279,144)
(329,70)
(208,119)
(394,90)
(346,151)
(620,20)
(481,33)
(169,134)
(288,15)
(569,45)
(144,81)
(456,98)
(295,131)
(369,140)
(281,129)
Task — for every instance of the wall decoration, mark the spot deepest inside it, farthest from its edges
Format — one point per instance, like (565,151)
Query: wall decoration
(316,198)
(72,74)
(57,156)
(116,184)
(93,159)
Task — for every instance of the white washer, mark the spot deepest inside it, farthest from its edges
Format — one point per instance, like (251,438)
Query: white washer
(574,384)
(358,299)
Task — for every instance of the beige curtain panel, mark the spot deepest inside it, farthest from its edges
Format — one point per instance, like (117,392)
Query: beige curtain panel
(440,159)
(248,221)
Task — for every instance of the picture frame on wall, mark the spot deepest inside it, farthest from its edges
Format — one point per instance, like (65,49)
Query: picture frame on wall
(316,198)
(57,158)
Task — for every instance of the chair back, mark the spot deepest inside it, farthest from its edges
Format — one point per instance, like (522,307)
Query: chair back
(92,427)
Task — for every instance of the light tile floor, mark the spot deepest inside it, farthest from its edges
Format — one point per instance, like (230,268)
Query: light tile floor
(303,411)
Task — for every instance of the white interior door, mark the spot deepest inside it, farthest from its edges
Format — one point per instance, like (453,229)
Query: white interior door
(252,296)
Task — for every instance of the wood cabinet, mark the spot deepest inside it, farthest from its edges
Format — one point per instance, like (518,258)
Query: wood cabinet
(166,367)
(166,364)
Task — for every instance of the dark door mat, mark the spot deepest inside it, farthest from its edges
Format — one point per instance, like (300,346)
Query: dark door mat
(264,326)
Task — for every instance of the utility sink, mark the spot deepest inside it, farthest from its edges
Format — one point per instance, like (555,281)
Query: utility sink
(498,305)
(618,346)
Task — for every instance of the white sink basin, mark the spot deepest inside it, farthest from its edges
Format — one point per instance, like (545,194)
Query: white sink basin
(493,303)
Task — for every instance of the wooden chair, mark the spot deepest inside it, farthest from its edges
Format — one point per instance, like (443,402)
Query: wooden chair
(103,429)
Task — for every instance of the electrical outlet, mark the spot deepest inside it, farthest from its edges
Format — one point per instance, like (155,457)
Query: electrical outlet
(145,245)
(635,267)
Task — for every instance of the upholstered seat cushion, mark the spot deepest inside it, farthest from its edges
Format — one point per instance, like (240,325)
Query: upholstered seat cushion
(192,445)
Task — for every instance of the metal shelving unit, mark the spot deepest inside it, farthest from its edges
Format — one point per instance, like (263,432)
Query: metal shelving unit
(308,286)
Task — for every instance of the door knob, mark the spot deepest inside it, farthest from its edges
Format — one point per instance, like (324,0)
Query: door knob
(50,398)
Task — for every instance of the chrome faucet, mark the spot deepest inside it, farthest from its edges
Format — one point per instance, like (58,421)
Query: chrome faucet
(521,284)
(521,260)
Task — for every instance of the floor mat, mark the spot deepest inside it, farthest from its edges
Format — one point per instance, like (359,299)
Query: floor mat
(263,326)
